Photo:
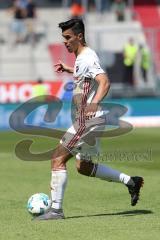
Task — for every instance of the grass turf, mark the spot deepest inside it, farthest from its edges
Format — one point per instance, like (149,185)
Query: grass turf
(94,209)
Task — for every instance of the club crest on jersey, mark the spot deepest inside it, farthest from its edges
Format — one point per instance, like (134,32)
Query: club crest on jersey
(77,68)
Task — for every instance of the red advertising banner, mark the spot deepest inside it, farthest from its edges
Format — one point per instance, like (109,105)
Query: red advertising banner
(23,91)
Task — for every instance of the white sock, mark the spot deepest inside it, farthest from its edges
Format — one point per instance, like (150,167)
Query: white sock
(110,174)
(126,179)
(58,185)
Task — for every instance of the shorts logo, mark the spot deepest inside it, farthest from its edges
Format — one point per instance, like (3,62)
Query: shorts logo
(63,139)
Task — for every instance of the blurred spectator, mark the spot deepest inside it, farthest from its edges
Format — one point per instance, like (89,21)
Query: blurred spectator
(23,3)
(77,9)
(119,7)
(145,61)
(129,55)
(19,3)
(102,5)
(30,20)
(40,89)
(18,24)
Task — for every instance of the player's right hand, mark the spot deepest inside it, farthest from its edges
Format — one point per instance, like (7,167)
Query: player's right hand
(60,67)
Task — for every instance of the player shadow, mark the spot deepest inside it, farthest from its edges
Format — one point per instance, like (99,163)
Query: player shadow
(125,213)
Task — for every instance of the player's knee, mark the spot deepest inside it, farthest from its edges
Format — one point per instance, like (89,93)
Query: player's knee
(58,163)
(84,167)
(60,158)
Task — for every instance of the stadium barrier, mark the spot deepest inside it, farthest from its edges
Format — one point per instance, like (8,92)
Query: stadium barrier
(141,113)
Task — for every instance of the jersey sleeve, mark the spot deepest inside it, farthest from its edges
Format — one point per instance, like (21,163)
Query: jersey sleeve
(94,69)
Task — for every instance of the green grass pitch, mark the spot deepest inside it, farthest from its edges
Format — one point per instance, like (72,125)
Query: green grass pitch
(94,209)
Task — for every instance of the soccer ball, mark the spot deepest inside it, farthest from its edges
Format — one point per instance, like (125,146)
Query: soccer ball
(38,204)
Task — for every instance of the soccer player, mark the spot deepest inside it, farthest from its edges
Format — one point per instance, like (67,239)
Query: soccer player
(91,86)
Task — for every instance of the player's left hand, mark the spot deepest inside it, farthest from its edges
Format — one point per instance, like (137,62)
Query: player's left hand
(90,110)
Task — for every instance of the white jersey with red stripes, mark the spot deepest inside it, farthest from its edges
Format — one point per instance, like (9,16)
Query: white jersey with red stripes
(86,68)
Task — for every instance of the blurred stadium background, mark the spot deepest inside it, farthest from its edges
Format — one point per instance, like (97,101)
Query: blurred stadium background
(23,63)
